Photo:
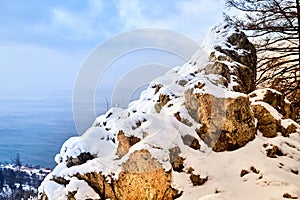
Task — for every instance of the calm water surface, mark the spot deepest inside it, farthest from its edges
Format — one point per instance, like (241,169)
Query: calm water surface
(35,128)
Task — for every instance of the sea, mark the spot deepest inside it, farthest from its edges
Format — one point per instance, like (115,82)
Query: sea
(35,128)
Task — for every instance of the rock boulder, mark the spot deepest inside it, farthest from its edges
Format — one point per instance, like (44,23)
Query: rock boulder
(227,123)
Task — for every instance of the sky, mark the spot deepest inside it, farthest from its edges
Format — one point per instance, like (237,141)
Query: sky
(46,46)
(44,43)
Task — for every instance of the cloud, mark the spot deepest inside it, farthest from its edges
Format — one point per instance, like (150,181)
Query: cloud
(198,9)
(78,26)
(84,24)
(192,17)
(64,17)
(137,14)
(78,22)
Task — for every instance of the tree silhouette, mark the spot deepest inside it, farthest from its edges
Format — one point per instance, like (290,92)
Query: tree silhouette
(274,26)
(17,161)
(1,180)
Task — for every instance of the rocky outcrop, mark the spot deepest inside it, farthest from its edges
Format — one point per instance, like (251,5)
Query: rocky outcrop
(125,143)
(143,177)
(160,147)
(239,41)
(224,113)
(275,99)
(272,110)
(266,122)
(163,100)
(228,122)
(140,177)
(79,160)
(236,49)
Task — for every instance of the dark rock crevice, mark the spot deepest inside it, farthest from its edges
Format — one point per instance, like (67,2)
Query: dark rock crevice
(79,160)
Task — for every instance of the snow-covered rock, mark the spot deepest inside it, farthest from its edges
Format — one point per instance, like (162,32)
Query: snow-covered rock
(273,112)
(231,56)
(191,135)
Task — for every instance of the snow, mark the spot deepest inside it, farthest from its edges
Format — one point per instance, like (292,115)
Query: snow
(54,191)
(287,122)
(217,90)
(223,170)
(258,95)
(160,131)
(82,188)
(93,141)
(217,37)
